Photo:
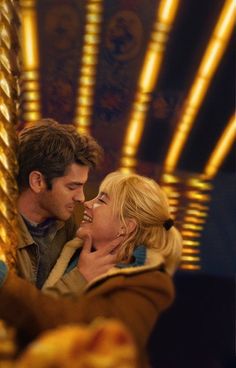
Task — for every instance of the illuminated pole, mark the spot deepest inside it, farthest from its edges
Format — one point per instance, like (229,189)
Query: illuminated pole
(87,78)
(30,86)
(8,165)
(8,117)
(205,73)
(165,16)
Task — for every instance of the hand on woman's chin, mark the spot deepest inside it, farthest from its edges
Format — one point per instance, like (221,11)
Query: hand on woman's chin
(82,233)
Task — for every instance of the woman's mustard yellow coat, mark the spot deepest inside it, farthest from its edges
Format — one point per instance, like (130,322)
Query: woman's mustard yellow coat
(135,296)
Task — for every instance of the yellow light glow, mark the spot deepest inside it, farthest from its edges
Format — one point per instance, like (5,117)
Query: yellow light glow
(149,74)
(190,267)
(198,183)
(198,196)
(29,35)
(30,85)
(196,213)
(150,71)
(208,66)
(31,116)
(192,227)
(89,61)
(4,85)
(198,206)
(5,36)
(129,161)
(3,183)
(5,11)
(4,110)
(134,133)
(190,234)
(191,243)
(5,60)
(3,158)
(31,96)
(169,178)
(196,96)
(191,251)
(126,170)
(167,11)
(3,233)
(190,258)
(31,106)
(3,134)
(194,220)
(222,148)
(9,62)
(211,58)
(30,75)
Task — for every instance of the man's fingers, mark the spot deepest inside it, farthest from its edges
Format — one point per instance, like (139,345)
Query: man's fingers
(87,244)
(111,249)
(109,259)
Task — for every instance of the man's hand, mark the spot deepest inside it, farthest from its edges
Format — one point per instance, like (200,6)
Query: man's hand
(93,264)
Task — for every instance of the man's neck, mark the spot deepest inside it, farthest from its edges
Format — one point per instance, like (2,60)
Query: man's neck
(29,209)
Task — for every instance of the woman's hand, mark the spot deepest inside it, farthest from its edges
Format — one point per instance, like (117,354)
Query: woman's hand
(92,264)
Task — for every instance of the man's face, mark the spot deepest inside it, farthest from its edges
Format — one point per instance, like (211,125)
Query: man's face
(59,202)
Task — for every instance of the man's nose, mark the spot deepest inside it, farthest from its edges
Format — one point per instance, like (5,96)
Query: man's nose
(79,196)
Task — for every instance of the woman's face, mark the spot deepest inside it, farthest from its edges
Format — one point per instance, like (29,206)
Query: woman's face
(100,222)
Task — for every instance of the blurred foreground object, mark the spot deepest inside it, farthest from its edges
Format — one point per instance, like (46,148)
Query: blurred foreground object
(7,345)
(104,344)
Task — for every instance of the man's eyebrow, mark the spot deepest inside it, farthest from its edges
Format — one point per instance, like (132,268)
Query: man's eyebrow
(76,183)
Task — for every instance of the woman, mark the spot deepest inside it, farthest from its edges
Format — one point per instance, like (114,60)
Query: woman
(125,216)
(130,213)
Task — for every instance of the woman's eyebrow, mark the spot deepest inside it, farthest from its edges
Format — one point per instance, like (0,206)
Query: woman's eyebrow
(103,194)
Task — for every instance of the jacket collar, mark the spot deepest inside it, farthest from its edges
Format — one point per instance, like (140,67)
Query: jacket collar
(24,237)
(154,260)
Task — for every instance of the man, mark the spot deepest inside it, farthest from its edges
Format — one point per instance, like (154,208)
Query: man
(54,163)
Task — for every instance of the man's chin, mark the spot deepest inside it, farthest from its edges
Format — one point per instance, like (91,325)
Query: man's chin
(64,217)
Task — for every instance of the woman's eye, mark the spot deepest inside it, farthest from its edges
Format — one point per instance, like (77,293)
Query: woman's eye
(101,200)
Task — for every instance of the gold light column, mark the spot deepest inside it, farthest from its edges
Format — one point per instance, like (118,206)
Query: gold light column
(8,117)
(195,213)
(222,148)
(89,61)
(8,166)
(188,197)
(211,59)
(147,81)
(30,86)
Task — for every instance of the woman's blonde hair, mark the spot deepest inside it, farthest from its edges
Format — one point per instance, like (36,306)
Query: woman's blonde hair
(141,199)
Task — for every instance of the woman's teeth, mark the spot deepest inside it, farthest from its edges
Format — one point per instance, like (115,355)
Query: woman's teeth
(87,218)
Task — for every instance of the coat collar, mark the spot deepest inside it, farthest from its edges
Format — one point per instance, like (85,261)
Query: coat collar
(154,260)
(24,237)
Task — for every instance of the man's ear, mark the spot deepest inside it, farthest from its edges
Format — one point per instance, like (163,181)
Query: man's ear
(37,181)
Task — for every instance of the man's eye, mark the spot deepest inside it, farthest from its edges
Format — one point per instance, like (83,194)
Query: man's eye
(73,187)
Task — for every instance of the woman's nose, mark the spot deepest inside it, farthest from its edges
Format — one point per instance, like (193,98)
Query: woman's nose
(88,204)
